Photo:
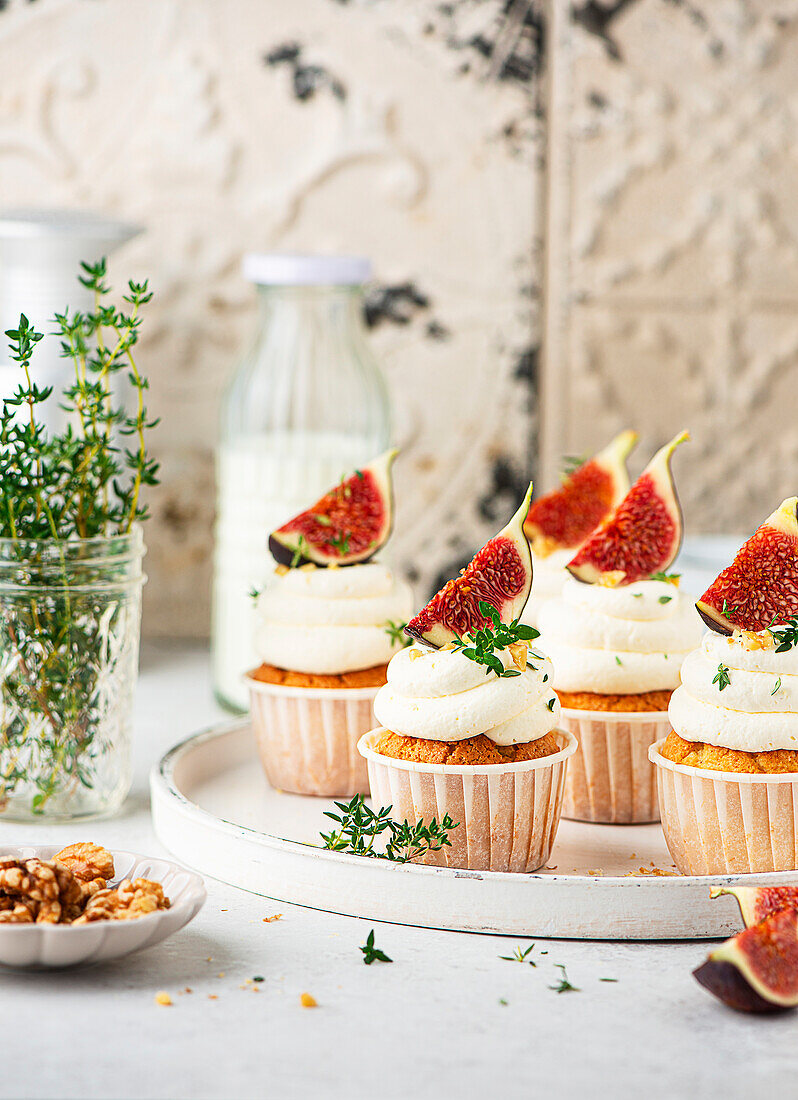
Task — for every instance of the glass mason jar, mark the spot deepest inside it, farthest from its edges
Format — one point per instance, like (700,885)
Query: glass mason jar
(307,404)
(70,614)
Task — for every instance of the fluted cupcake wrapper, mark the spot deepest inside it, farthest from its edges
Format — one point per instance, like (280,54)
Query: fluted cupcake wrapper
(727,822)
(611,779)
(506,814)
(307,737)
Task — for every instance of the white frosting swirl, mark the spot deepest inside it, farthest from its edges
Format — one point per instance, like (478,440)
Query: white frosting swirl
(548,576)
(330,620)
(756,712)
(628,639)
(444,696)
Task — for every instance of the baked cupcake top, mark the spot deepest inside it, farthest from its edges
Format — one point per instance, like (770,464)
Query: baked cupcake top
(331,620)
(629,639)
(442,695)
(739,692)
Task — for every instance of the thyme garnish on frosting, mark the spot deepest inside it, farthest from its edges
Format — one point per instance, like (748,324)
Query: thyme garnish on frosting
(668,578)
(396,632)
(786,638)
(481,646)
(722,677)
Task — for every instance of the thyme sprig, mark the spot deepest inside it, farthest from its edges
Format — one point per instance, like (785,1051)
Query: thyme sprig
(570,464)
(563,985)
(722,678)
(396,632)
(668,578)
(481,646)
(371,953)
(360,828)
(61,487)
(520,956)
(787,637)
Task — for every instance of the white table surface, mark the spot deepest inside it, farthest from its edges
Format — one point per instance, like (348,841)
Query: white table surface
(431,1024)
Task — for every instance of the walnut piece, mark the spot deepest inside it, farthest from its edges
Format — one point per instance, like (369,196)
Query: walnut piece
(127,901)
(87,862)
(35,883)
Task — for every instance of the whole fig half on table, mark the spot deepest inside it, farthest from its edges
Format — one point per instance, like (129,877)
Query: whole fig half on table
(563,518)
(756,970)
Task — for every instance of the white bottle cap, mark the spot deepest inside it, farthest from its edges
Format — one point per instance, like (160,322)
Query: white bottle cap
(293,269)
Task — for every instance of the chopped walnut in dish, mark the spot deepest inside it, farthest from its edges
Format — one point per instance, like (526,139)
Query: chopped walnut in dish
(73,888)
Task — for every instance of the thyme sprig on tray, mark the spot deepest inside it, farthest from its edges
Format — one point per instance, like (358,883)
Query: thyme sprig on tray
(481,646)
(520,956)
(360,827)
(563,985)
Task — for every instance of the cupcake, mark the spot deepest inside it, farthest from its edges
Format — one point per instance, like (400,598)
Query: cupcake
(728,770)
(559,522)
(617,645)
(470,729)
(326,627)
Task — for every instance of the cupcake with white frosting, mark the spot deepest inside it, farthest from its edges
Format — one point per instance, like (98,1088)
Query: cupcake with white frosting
(324,638)
(327,622)
(728,771)
(617,655)
(481,745)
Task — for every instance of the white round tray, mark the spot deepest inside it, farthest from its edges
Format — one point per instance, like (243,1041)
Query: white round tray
(213,809)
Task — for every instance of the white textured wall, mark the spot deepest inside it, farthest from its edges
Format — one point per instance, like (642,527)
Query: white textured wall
(673,259)
(405,130)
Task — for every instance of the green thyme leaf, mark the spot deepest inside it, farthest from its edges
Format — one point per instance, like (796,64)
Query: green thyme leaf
(668,578)
(787,637)
(563,985)
(520,956)
(776,686)
(371,953)
(665,599)
(727,610)
(722,677)
(550,704)
(618,660)
(396,632)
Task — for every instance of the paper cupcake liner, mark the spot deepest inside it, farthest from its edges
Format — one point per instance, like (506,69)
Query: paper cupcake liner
(307,737)
(506,814)
(719,823)
(610,779)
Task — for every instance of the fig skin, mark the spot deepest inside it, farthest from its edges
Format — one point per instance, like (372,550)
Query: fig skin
(284,544)
(427,626)
(617,553)
(724,981)
(565,517)
(756,970)
(777,597)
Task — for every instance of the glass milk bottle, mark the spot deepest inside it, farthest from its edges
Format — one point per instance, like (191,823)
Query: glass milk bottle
(307,404)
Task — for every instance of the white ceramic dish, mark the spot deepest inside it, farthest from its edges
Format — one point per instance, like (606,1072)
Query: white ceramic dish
(214,809)
(44,946)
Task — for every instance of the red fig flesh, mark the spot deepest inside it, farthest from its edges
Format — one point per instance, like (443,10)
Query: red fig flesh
(563,518)
(500,574)
(758,902)
(643,534)
(348,525)
(756,970)
(760,587)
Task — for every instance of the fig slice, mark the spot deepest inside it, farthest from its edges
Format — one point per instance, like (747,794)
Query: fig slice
(500,574)
(563,518)
(348,525)
(760,587)
(756,970)
(643,534)
(758,902)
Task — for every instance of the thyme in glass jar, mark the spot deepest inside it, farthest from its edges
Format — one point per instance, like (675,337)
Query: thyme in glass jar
(61,488)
